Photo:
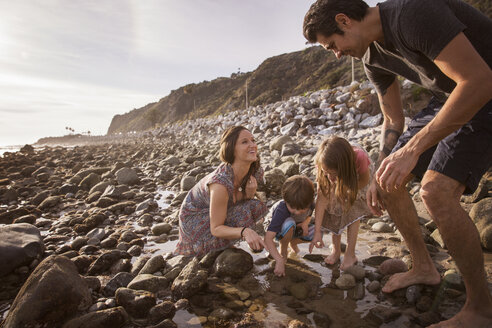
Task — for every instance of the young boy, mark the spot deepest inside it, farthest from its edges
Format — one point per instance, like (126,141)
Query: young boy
(289,220)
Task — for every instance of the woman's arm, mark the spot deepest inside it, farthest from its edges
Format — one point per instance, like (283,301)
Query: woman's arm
(218,213)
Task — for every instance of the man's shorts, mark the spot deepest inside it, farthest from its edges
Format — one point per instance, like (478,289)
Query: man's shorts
(464,155)
(290,223)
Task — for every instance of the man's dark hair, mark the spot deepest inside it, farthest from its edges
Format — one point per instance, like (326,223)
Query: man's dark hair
(320,19)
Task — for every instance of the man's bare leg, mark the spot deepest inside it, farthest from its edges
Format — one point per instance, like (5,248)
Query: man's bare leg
(334,257)
(349,257)
(402,211)
(441,196)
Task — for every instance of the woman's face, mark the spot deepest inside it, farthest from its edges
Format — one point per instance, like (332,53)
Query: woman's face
(245,148)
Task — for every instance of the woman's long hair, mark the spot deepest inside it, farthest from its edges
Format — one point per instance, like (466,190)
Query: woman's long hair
(227,146)
(337,154)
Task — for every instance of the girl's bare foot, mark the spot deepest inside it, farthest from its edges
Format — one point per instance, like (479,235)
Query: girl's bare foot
(348,261)
(332,258)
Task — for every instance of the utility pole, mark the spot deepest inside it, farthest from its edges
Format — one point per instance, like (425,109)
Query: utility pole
(247,94)
(353,74)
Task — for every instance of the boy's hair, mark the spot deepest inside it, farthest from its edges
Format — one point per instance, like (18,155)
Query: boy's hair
(320,18)
(337,154)
(298,192)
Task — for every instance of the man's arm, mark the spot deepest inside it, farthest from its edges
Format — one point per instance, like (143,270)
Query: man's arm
(459,61)
(394,121)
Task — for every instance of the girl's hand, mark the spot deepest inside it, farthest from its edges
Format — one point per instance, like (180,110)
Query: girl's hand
(254,241)
(317,241)
(373,200)
(251,186)
(279,268)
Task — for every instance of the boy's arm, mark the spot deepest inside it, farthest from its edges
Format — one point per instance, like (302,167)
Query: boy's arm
(305,226)
(270,246)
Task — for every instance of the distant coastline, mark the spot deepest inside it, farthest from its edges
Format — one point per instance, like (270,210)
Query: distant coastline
(13,149)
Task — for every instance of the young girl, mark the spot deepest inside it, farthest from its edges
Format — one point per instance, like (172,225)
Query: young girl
(343,172)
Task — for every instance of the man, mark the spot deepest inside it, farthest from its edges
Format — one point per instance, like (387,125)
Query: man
(444,45)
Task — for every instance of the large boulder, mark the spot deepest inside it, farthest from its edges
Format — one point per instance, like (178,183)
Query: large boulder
(51,294)
(136,302)
(233,262)
(481,214)
(190,281)
(20,243)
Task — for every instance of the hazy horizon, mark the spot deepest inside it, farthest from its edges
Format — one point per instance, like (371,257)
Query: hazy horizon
(77,64)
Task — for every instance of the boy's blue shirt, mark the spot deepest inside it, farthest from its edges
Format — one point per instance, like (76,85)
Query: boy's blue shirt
(280,213)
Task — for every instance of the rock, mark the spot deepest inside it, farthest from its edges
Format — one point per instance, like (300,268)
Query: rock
(413,293)
(100,187)
(105,261)
(374,286)
(383,314)
(153,265)
(30,218)
(161,228)
(358,292)
(481,214)
(290,149)
(149,283)
(136,302)
(392,266)
(297,324)
(314,257)
(89,181)
(289,168)
(299,290)
(162,311)
(486,237)
(345,281)
(274,180)
(164,324)
(49,202)
(371,121)
(187,182)
(453,280)
(20,244)
(109,318)
(121,279)
(51,294)
(278,142)
(190,281)
(357,271)
(233,262)
(436,236)
(375,261)
(381,227)
(8,216)
(127,176)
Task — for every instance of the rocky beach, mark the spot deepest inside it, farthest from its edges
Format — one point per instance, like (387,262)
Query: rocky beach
(87,232)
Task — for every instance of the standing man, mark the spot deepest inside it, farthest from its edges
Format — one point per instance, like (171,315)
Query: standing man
(445,46)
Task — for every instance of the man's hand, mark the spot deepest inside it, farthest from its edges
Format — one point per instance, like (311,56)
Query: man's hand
(395,168)
(279,268)
(317,241)
(373,199)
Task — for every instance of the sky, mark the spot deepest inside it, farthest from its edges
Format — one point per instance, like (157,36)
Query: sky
(76,64)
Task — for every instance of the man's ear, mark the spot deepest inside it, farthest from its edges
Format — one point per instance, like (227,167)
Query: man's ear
(343,21)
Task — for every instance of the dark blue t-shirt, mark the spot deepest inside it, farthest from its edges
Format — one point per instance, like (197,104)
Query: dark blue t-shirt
(280,213)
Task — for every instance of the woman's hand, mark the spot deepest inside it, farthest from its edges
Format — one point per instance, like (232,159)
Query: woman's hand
(251,186)
(317,241)
(254,241)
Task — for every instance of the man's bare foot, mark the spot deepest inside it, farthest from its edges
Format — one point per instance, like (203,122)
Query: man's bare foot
(409,278)
(332,258)
(466,318)
(348,261)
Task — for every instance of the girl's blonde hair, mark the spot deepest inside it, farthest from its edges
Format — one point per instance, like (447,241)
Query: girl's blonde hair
(337,154)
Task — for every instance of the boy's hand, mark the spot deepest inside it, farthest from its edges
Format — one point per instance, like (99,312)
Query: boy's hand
(279,268)
(317,241)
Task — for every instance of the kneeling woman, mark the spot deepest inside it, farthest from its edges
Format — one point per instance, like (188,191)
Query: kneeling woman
(220,209)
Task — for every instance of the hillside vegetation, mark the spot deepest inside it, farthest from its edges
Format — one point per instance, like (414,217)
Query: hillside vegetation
(277,78)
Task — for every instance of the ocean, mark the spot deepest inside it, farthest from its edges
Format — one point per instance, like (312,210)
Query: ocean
(14,148)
